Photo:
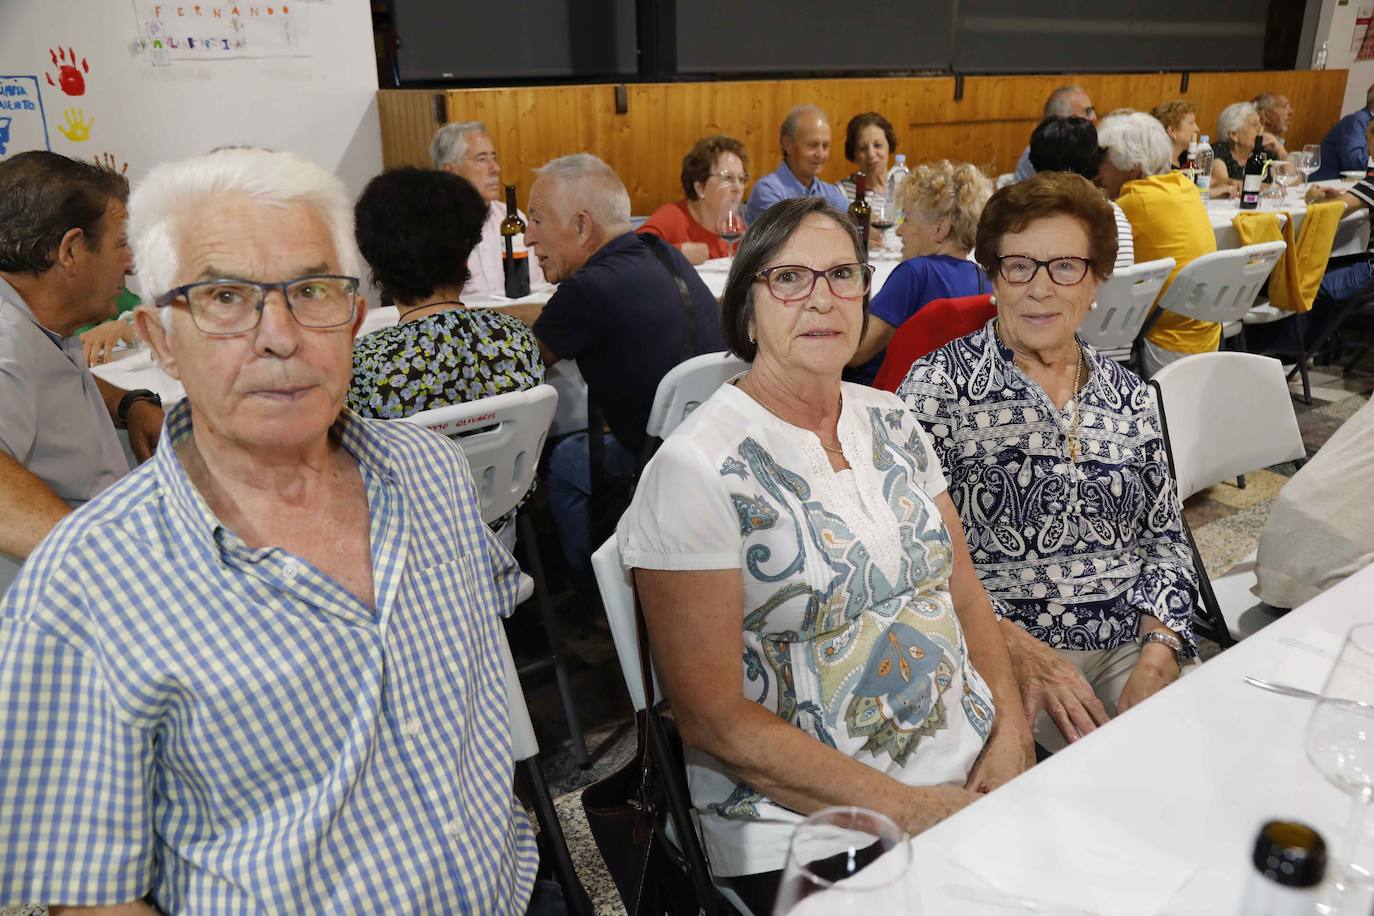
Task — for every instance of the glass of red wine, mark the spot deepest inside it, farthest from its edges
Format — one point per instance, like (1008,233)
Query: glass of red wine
(882,217)
(731,227)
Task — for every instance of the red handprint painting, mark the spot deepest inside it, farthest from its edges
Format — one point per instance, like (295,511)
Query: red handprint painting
(70,78)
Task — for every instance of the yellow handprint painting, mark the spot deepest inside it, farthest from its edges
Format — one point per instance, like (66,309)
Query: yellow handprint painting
(78,127)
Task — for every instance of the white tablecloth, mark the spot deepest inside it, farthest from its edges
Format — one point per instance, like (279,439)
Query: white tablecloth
(1158,810)
(1353,238)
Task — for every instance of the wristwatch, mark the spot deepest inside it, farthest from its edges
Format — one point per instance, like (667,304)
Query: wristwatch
(127,402)
(1166,639)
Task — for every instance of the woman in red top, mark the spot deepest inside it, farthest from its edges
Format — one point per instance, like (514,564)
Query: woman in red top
(714,174)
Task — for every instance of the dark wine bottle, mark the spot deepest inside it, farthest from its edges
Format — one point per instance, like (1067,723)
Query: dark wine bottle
(859,211)
(1254,176)
(515,265)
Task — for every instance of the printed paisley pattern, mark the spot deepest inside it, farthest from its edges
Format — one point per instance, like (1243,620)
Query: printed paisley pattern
(1073,552)
(453,357)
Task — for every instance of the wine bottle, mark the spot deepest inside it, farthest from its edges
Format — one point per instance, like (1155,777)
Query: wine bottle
(515,265)
(1290,861)
(1254,176)
(859,211)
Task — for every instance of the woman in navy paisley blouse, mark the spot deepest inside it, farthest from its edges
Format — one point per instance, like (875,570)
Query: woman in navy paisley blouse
(416,228)
(1056,463)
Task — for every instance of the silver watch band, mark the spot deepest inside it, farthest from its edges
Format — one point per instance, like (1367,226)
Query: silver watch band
(1167,639)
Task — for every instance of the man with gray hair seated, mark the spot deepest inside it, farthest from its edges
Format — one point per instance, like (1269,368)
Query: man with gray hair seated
(1064,102)
(466,150)
(1168,220)
(262,673)
(628,308)
(1276,114)
(805,140)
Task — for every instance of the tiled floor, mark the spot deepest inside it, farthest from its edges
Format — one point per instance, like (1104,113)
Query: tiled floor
(1226,522)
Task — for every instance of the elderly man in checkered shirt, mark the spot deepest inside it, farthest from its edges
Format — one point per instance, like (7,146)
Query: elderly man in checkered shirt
(262,673)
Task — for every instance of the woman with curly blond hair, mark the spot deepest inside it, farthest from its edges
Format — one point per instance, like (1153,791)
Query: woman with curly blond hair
(942,201)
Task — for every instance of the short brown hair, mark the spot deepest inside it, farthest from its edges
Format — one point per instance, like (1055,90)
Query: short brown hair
(858,123)
(43,196)
(1171,114)
(1042,196)
(696,165)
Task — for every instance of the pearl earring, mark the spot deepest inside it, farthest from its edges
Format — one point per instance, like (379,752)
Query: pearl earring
(992,299)
(1093,306)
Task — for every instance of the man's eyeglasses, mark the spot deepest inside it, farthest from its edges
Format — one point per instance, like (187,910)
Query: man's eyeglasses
(1019,269)
(223,308)
(730,178)
(794,282)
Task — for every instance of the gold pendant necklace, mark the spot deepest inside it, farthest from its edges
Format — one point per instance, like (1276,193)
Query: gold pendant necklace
(1077,384)
(759,401)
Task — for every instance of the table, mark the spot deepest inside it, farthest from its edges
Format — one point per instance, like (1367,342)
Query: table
(1195,770)
(1351,238)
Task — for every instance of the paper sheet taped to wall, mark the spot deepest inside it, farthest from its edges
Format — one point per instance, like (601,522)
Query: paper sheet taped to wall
(178,30)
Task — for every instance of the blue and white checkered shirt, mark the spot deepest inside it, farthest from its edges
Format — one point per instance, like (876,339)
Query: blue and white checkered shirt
(230,730)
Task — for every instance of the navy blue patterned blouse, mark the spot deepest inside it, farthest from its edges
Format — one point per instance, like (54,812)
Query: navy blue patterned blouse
(1076,551)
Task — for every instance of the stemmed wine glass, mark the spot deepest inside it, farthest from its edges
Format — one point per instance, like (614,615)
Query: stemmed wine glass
(1281,173)
(881,217)
(731,227)
(856,860)
(1314,160)
(1298,159)
(1340,744)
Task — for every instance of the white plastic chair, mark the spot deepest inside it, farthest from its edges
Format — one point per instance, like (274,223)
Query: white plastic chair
(525,752)
(1123,303)
(686,386)
(1225,414)
(502,437)
(1221,286)
(1004,179)
(617,595)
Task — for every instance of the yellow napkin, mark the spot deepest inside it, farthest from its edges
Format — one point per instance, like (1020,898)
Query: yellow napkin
(1293,284)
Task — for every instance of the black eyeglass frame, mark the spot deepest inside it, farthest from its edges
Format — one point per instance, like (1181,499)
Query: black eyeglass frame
(766,276)
(1087,264)
(181,292)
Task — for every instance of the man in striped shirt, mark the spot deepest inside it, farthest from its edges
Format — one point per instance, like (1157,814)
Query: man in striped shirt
(261,673)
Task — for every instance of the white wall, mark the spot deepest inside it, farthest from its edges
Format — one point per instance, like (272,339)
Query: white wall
(1335,26)
(320,102)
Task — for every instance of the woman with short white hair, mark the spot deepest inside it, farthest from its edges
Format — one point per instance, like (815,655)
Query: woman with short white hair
(1137,147)
(1237,127)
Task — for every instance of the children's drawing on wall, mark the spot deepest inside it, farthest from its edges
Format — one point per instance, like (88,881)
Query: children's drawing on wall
(23,125)
(111,162)
(171,31)
(70,77)
(78,126)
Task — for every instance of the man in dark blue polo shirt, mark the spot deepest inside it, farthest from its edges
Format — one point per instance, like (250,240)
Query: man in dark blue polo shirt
(618,312)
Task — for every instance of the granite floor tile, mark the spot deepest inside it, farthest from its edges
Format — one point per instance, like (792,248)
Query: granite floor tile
(1203,509)
(591,869)
(1346,408)
(1316,428)
(1260,486)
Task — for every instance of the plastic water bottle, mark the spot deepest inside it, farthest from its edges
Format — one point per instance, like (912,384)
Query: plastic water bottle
(895,176)
(1204,167)
(1320,62)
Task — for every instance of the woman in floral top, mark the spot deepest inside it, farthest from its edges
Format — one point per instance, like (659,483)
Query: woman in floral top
(1057,466)
(416,228)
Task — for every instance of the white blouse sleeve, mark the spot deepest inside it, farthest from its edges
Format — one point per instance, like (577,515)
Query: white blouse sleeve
(681,517)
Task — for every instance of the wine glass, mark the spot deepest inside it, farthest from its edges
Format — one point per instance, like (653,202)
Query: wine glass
(1314,159)
(1298,159)
(846,862)
(1282,174)
(1340,744)
(881,217)
(731,227)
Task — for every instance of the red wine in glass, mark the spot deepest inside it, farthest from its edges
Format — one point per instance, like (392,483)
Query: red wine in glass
(731,227)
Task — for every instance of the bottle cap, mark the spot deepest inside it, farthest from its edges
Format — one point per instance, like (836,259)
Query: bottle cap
(901,158)
(1290,854)
(1205,138)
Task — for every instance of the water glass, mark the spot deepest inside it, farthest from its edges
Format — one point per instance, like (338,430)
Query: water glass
(846,862)
(1282,174)
(1340,744)
(1314,159)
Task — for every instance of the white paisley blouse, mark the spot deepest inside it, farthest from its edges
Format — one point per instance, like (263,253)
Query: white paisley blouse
(849,631)
(1074,551)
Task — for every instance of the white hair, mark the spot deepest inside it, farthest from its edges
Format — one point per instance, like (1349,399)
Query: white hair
(1136,140)
(450,143)
(794,119)
(586,183)
(1233,118)
(174,191)
(1057,105)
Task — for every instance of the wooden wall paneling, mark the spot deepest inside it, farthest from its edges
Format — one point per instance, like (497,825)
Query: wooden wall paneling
(989,126)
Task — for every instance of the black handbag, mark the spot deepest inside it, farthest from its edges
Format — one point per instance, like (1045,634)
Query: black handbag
(629,810)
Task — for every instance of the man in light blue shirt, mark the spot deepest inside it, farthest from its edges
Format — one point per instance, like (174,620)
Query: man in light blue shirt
(1064,102)
(262,672)
(1344,148)
(805,137)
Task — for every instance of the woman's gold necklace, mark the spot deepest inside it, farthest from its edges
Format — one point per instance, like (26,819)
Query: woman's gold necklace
(759,401)
(1077,385)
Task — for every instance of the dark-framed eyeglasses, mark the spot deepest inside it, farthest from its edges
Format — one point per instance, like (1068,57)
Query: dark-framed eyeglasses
(794,282)
(1066,271)
(230,306)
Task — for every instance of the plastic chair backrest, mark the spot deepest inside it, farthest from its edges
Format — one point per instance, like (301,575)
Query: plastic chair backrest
(617,594)
(686,386)
(1352,234)
(935,324)
(1227,414)
(501,437)
(1222,285)
(1123,302)
(523,743)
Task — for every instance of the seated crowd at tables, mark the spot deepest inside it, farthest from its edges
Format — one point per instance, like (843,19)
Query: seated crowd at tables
(261,670)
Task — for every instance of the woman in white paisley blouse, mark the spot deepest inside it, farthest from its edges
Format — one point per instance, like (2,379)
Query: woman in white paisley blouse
(814,616)
(1056,464)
